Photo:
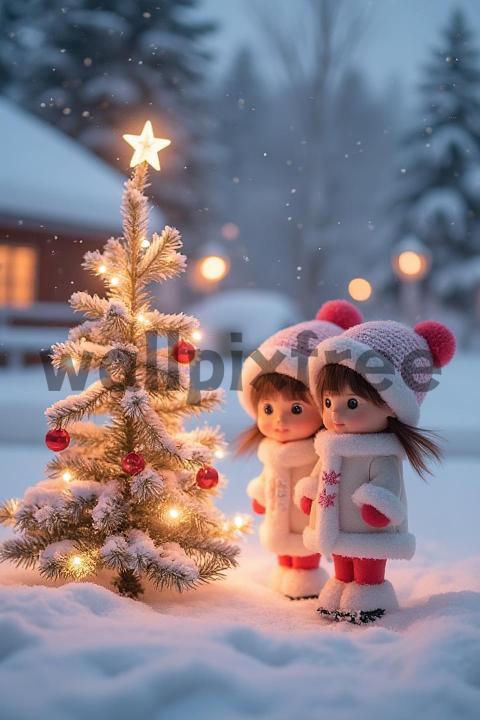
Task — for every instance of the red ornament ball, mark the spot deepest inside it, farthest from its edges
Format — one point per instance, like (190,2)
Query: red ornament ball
(207,477)
(184,352)
(133,463)
(57,439)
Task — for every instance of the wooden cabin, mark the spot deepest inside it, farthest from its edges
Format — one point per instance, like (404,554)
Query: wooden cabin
(57,201)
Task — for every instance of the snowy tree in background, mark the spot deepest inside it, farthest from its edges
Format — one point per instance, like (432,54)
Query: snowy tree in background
(87,68)
(133,495)
(440,186)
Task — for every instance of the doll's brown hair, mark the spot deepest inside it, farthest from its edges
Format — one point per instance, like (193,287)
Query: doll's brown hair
(418,443)
(269,386)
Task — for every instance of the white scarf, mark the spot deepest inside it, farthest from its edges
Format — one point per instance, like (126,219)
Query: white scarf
(331,448)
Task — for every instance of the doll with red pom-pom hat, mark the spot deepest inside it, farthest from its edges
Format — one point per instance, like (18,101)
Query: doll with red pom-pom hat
(275,393)
(369,384)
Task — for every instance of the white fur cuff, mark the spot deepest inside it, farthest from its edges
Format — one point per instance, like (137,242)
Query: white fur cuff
(382,500)
(256,490)
(306,487)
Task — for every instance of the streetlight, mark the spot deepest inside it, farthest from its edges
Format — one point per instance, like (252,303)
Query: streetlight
(411,263)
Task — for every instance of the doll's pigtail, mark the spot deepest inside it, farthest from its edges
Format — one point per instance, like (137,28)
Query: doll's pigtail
(419,445)
(248,441)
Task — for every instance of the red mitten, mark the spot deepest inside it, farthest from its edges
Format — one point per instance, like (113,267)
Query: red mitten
(306,505)
(374,517)
(257,508)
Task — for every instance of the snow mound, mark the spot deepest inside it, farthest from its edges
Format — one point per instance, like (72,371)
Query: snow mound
(256,314)
(237,651)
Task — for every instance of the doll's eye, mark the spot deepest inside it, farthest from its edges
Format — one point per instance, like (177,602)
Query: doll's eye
(297,409)
(352,404)
(267,409)
(328,403)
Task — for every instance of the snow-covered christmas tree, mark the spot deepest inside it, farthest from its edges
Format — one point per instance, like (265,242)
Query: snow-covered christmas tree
(440,188)
(132,494)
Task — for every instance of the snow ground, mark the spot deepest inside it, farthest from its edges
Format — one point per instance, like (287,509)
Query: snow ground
(234,649)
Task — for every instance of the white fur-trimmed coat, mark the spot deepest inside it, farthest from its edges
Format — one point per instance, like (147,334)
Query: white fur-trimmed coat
(355,470)
(284,464)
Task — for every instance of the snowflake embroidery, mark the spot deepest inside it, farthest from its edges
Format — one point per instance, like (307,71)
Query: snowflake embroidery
(331,478)
(326,499)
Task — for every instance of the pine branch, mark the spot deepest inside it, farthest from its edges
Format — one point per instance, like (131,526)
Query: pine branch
(147,485)
(81,354)
(110,513)
(117,321)
(7,511)
(177,324)
(22,551)
(75,407)
(58,560)
(210,437)
(88,330)
(87,434)
(162,260)
(92,306)
(80,467)
(213,557)
(115,256)
(136,405)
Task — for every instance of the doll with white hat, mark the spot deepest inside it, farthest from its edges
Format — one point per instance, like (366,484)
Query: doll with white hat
(276,395)
(368,383)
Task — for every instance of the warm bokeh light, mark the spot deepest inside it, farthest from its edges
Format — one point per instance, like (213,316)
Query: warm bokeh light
(411,262)
(360,289)
(67,476)
(239,521)
(220,454)
(145,243)
(197,335)
(173,513)
(230,231)
(114,281)
(213,268)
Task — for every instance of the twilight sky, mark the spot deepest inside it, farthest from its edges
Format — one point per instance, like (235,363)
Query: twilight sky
(395,42)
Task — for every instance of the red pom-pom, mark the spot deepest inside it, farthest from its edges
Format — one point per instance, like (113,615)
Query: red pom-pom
(207,477)
(441,341)
(133,463)
(341,313)
(57,439)
(183,352)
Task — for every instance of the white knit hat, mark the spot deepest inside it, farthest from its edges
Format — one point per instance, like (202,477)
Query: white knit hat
(287,352)
(395,359)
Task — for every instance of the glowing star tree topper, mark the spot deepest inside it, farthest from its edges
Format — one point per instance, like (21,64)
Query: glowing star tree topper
(146,146)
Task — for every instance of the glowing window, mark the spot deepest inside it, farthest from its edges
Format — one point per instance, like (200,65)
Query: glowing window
(18,267)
